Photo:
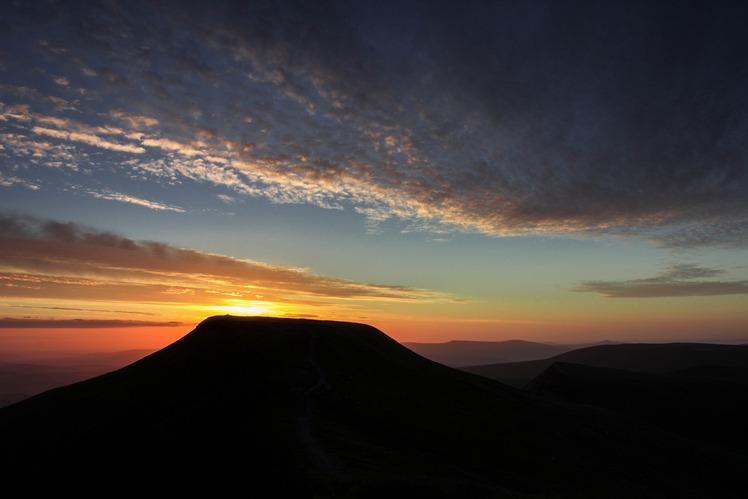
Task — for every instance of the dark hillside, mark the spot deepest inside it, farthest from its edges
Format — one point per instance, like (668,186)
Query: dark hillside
(20,380)
(712,409)
(458,353)
(306,408)
(642,357)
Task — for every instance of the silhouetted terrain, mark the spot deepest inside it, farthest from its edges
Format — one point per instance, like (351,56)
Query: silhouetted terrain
(641,357)
(20,380)
(707,406)
(458,353)
(302,408)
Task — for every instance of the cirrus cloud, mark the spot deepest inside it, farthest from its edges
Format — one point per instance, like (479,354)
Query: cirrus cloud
(594,118)
(52,260)
(678,281)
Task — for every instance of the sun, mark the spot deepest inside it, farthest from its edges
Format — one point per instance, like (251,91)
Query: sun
(246,309)
(250,308)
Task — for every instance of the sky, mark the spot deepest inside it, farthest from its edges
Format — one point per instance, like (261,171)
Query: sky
(557,171)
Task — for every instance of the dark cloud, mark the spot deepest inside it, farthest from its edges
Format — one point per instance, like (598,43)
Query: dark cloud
(78,309)
(80,323)
(677,281)
(501,117)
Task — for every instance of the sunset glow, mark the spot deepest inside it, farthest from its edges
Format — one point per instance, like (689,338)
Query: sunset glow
(491,171)
(248,310)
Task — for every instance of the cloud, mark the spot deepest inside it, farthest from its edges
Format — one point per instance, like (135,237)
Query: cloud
(89,139)
(677,281)
(117,196)
(78,309)
(8,322)
(61,80)
(135,121)
(492,117)
(7,181)
(172,145)
(46,259)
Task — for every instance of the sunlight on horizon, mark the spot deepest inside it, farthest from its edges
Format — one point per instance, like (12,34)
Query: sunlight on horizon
(254,309)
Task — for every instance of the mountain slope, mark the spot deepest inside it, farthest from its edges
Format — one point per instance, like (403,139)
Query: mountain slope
(642,357)
(707,408)
(20,380)
(329,409)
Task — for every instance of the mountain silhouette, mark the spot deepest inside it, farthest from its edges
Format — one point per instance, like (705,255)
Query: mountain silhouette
(302,408)
(658,358)
(458,353)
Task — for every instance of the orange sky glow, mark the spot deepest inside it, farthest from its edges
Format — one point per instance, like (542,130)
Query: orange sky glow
(438,183)
(141,294)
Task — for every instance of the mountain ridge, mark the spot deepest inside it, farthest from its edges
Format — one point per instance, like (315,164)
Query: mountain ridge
(645,357)
(332,409)
(457,353)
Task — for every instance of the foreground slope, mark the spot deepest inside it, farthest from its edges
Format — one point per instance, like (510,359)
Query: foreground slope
(704,407)
(21,380)
(304,408)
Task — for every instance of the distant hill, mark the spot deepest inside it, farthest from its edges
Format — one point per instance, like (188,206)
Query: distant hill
(642,357)
(22,379)
(458,353)
(301,408)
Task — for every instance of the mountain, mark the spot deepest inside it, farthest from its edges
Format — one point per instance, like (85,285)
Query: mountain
(705,406)
(642,357)
(458,353)
(301,408)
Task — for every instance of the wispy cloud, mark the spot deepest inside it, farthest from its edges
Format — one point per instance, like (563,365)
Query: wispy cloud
(124,198)
(8,322)
(677,281)
(135,121)
(45,259)
(87,138)
(78,309)
(10,180)
(536,120)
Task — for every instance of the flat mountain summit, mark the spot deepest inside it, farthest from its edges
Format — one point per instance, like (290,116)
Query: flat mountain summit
(304,408)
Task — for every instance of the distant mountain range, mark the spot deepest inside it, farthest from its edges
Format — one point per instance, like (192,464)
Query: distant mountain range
(320,409)
(458,353)
(660,358)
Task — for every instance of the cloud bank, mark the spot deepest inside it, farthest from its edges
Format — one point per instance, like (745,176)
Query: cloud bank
(678,281)
(579,118)
(12,323)
(44,260)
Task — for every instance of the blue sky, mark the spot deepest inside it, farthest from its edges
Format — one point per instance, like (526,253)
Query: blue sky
(565,171)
